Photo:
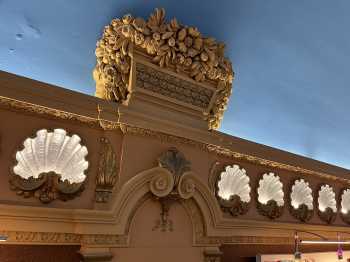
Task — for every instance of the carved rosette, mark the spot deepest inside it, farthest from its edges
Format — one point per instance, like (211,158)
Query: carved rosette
(162,184)
(176,181)
(167,44)
(107,175)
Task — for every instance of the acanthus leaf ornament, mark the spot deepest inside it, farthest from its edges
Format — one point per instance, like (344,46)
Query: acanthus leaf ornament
(107,175)
(50,166)
(175,162)
(174,183)
(169,44)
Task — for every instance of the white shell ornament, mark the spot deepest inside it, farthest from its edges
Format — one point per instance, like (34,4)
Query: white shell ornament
(233,190)
(345,206)
(301,200)
(49,164)
(327,205)
(270,196)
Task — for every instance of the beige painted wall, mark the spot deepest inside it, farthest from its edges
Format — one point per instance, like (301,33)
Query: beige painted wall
(154,245)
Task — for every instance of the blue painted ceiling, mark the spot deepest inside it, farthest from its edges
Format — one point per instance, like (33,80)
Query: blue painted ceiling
(291,60)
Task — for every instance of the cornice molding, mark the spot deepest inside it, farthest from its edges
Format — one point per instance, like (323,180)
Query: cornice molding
(100,123)
(46,112)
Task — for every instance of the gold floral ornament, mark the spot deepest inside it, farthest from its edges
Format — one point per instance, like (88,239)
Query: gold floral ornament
(170,45)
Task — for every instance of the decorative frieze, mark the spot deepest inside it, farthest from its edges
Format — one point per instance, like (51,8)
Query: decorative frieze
(172,87)
(65,238)
(223,151)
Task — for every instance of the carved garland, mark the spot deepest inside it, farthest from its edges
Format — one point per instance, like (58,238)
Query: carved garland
(171,45)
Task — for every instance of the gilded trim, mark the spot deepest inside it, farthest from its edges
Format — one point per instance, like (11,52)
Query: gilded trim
(50,113)
(225,152)
(64,238)
(46,112)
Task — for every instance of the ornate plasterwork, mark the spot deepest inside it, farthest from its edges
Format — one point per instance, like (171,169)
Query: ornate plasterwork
(172,87)
(18,106)
(212,254)
(228,153)
(172,186)
(107,174)
(175,162)
(270,196)
(301,200)
(49,113)
(170,45)
(232,190)
(47,187)
(327,205)
(64,238)
(49,166)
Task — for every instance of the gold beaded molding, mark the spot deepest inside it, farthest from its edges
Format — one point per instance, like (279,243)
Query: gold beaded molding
(168,44)
(49,113)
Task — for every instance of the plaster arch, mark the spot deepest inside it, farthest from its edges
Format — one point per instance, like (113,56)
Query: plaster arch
(201,206)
